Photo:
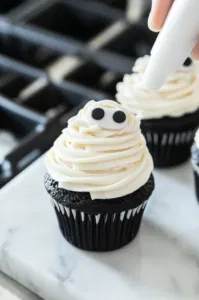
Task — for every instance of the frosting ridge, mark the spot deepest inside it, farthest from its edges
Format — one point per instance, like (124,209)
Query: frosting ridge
(177,97)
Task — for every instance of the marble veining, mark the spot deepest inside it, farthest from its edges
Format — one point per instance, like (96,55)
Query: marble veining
(162,263)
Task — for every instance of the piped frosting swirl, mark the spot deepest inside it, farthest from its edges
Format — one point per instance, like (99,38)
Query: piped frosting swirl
(177,97)
(105,156)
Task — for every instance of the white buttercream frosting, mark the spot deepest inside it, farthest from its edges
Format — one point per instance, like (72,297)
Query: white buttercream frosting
(177,97)
(105,159)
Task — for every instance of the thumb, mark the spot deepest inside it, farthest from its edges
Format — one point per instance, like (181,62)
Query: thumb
(195,52)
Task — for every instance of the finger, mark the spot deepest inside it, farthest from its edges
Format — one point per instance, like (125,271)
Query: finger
(195,52)
(159,12)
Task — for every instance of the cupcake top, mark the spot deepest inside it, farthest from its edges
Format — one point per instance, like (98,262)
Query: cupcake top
(177,97)
(102,151)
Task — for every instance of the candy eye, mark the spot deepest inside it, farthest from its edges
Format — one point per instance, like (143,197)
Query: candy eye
(188,62)
(119,117)
(107,118)
(98,114)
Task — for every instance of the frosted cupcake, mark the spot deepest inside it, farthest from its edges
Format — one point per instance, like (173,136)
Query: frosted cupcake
(100,177)
(195,163)
(170,116)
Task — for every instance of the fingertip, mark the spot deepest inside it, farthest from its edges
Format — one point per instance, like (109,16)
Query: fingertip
(158,15)
(152,24)
(195,52)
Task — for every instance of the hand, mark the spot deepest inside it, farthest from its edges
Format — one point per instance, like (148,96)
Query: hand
(158,15)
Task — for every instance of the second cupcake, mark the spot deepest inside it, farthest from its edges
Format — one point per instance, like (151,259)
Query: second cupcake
(169,116)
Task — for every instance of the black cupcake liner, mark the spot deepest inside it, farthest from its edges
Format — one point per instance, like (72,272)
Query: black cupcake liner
(98,232)
(170,139)
(169,148)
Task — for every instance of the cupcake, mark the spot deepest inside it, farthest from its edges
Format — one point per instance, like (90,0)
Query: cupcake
(195,162)
(99,177)
(170,116)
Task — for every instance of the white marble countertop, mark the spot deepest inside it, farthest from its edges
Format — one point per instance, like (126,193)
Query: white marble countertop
(11,290)
(162,263)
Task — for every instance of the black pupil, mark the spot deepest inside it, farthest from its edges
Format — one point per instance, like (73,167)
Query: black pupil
(98,114)
(188,62)
(119,116)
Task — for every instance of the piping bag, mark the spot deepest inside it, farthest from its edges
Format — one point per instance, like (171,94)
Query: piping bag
(174,43)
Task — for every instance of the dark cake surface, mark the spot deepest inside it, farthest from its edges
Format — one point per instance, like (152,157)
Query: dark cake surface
(82,201)
(183,123)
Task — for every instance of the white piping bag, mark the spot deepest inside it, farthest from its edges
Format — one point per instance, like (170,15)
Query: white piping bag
(174,44)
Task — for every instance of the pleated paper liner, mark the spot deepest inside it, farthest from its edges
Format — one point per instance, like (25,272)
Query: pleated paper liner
(169,148)
(99,232)
(170,139)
